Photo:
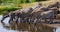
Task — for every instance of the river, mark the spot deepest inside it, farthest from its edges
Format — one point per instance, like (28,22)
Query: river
(6,27)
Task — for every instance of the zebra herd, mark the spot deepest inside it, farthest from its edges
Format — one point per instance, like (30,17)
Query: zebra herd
(34,14)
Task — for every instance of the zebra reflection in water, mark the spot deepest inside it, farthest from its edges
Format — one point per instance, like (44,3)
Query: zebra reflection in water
(28,27)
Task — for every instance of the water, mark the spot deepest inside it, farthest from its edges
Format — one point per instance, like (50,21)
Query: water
(2,29)
(25,27)
(58,29)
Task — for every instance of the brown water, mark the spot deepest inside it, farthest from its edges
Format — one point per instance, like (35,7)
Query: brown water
(24,27)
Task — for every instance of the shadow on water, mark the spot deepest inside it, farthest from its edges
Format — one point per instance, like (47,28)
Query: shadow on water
(25,27)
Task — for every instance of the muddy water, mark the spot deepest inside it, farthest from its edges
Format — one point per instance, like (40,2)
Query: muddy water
(25,27)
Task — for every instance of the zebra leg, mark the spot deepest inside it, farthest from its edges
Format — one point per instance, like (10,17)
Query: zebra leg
(17,19)
(35,21)
(38,20)
(11,19)
(21,20)
(51,21)
(32,20)
(28,19)
(45,20)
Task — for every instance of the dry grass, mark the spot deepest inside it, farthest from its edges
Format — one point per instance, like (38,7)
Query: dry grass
(28,5)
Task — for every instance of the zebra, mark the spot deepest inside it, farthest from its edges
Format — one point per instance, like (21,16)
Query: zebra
(11,15)
(50,15)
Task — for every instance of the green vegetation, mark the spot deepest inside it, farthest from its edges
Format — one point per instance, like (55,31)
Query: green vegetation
(19,1)
(12,5)
(4,9)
